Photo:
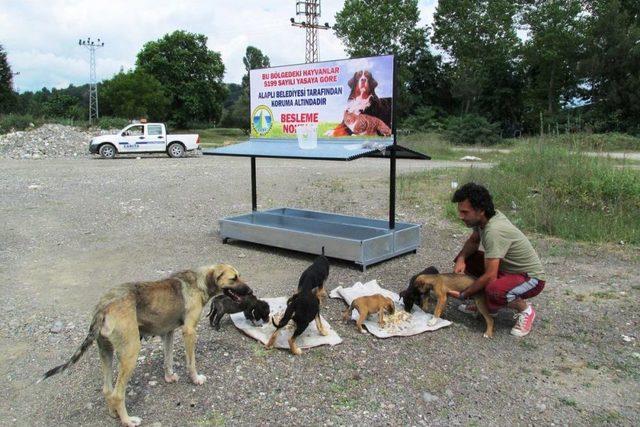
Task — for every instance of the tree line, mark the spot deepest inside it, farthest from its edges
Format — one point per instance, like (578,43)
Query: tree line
(510,66)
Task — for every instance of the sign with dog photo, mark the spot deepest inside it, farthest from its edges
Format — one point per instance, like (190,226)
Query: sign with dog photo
(352,97)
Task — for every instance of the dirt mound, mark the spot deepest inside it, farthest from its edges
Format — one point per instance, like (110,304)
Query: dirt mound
(49,140)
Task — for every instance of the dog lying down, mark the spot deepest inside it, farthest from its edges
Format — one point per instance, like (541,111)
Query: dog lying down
(254,309)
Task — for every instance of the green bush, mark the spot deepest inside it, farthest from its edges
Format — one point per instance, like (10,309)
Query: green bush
(13,122)
(424,119)
(112,122)
(471,129)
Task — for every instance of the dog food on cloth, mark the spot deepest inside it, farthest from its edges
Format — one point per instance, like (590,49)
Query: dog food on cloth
(310,338)
(400,326)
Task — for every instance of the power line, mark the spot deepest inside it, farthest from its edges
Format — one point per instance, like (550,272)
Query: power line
(93,82)
(311,10)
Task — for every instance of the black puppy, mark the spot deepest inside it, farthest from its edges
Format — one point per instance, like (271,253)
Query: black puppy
(315,275)
(304,306)
(254,309)
(412,295)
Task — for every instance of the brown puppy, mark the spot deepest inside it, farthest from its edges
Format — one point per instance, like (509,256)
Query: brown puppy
(441,284)
(131,311)
(370,304)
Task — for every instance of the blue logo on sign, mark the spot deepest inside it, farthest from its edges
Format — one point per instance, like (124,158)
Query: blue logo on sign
(262,119)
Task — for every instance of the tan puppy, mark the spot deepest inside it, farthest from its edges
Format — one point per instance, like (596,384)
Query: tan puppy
(367,305)
(420,285)
(131,311)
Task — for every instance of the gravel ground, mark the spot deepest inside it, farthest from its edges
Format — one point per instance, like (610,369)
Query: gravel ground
(72,228)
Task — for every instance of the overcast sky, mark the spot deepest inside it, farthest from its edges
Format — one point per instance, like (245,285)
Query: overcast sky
(41,37)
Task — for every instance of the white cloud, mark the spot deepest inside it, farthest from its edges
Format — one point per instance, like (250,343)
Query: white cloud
(41,38)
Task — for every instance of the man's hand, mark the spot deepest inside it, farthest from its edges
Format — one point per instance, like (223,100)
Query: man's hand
(454,294)
(460,266)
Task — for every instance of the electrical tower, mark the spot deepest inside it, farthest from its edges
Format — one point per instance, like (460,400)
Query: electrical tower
(93,83)
(13,82)
(311,10)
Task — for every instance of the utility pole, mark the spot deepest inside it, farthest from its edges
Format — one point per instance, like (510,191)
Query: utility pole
(93,83)
(311,10)
(13,82)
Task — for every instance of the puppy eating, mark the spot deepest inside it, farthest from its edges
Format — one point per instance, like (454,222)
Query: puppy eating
(315,275)
(254,309)
(441,284)
(304,306)
(367,305)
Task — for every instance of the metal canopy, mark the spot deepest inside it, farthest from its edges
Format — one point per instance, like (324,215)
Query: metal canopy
(326,150)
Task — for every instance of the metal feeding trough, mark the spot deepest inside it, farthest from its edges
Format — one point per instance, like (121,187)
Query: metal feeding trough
(364,241)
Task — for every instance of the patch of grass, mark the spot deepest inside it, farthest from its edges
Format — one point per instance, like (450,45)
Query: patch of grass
(337,186)
(527,345)
(604,295)
(431,144)
(627,368)
(15,122)
(414,188)
(342,394)
(345,402)
(216,137)
(214,418)
(586,141)
(607,417)
(259,350)
(557,192)
(546,372)
(593,365)
(559,249)
(568,402)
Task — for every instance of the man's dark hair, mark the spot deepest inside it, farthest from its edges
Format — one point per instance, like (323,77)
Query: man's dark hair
(477,195)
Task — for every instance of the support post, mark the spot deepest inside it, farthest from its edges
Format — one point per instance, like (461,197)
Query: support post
(254,197)
(392,188)
(392,164)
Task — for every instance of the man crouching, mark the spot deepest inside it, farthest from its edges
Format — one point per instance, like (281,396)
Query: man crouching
(509,270)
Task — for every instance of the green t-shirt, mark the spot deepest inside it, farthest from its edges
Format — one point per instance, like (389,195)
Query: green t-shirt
(501,239)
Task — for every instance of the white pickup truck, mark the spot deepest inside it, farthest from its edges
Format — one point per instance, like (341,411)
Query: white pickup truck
(143,138)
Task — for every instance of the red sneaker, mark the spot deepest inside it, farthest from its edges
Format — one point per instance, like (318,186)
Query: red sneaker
(524,322)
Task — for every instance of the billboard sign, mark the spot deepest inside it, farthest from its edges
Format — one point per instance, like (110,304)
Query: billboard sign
(343,99)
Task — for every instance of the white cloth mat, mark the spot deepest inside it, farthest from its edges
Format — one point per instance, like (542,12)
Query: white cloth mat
(418,323)
(309,338)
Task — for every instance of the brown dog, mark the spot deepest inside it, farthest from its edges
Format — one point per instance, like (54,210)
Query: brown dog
(131,311)
(441,284)
(367,305)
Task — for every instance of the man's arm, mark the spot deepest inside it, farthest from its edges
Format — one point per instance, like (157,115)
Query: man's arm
(490,274)
(470,247)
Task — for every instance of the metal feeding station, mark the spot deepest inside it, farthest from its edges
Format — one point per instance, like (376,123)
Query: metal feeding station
(299,94)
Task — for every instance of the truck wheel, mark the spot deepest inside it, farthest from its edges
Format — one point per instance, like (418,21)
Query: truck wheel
(175,150)
(107,151)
